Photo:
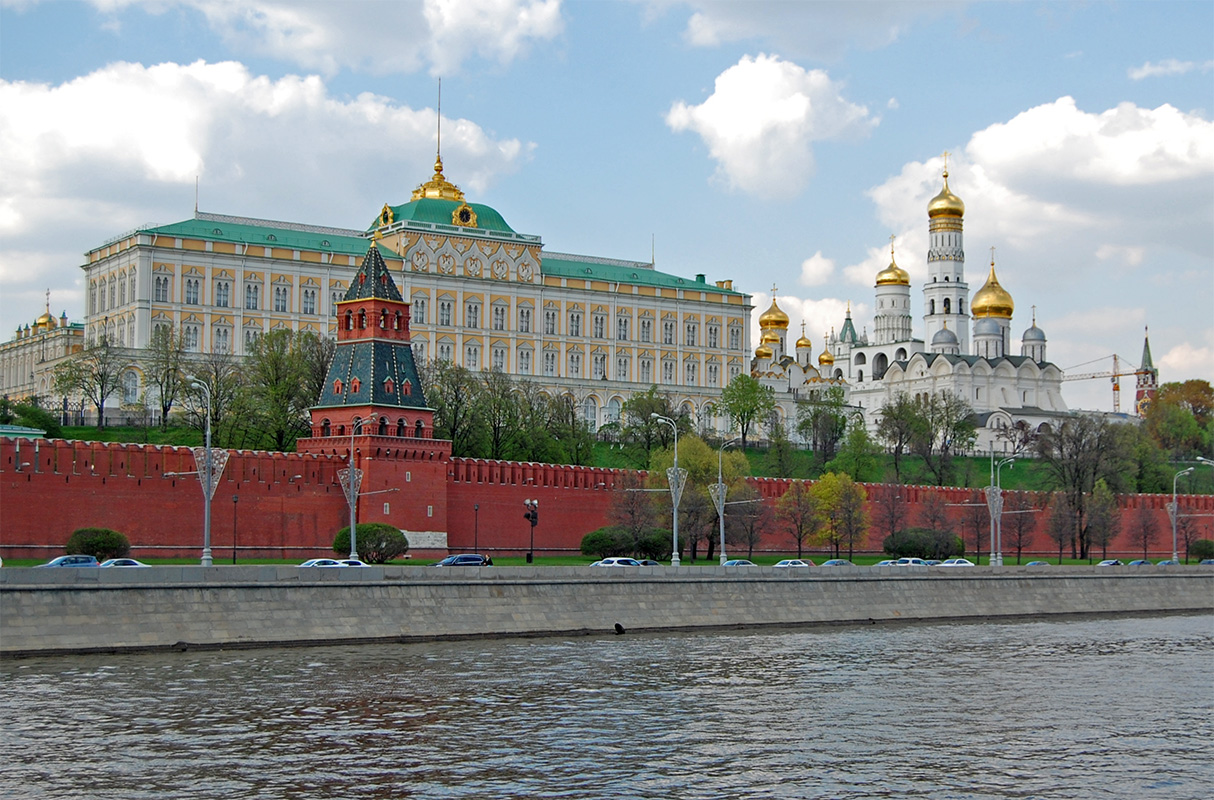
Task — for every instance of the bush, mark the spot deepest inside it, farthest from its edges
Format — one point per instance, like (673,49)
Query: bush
(923,543)
(32,416)
(101,543)
(378,542)
(655,545)
(607,542)
(1202,548)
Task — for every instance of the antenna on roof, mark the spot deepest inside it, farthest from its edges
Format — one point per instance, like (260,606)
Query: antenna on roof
(195,195)
(653,245)
(438,150)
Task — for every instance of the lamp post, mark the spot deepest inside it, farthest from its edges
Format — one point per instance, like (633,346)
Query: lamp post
(351,482)
(206,477)
(1009,463)
(532,515)
(235,500)
(675,477)
(1174,510)
(476,527)
(718,496)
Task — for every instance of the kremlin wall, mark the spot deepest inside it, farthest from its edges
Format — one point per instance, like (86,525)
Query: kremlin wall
(290,505)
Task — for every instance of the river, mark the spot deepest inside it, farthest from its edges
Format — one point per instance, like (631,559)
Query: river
(1080,708)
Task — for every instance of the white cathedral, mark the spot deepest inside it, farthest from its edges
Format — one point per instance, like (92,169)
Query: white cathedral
(1002,388)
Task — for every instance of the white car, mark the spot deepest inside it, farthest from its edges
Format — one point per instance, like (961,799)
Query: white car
(321,562)
(617,562)
(794,562)
(910,562)
(122,562)
(956,562)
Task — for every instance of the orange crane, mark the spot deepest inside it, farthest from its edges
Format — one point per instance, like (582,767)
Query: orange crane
(1121,368)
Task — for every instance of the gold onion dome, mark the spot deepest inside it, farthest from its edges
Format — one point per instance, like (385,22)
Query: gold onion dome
(946,203)
(45,321)
(992,300)
(893,275)
(773,317)
(804,342)
(769,337)
(763,351)
(826,359)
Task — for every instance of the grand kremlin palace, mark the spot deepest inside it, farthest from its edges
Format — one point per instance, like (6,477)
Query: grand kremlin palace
(483,296)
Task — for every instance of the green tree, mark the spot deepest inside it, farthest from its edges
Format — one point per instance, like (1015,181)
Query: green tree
(841,506)
(499,408)
(641,431)
(275,389)
(316,353)
(220,373)
(1104,517)
(453,392)
(1202,549)
(32,415)
(101,543)
(378,542)
(822,421)
(780,455)
(798,511)
(1179,420)
(944,426)
(896,426)
(859,455)
(746,401)
(569,429)
(95,372)
(163,368)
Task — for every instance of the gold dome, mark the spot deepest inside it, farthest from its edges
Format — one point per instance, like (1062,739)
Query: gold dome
(826,359)
(45,321)
(992,300)
(893,275)
(803,341)
(763,351)
(769,337)
(946,203)
(773,317)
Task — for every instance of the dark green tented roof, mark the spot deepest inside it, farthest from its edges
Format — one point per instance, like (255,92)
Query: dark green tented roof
(373,362)
(434,211)
(373,280)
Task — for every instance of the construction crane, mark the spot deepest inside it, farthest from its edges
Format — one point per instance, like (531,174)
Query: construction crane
(1121,369)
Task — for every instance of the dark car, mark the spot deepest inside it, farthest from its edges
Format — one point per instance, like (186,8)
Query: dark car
(1141,562)
(71,561)
(1037,564)
(1110,562)
(1206,561)
(466,560)
(649,562)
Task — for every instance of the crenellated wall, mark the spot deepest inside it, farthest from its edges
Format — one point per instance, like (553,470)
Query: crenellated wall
(289,505)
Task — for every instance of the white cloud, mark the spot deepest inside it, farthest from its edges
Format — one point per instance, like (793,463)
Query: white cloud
(824,30)
(816,270)
(820,315)
(1121,255)
(379,38)
(761,120)
(1169,66)
(1189,361)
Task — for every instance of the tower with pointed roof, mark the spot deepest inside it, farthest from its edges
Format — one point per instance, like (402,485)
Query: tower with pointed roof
(945,292)
(1148,378)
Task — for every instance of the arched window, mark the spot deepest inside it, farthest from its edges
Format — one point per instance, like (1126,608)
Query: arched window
(400,427)
(860,376)
(396,321)
(418,429)
(362,318)
(337,386)
(947,304)
(383,426)
(325,428)
(349,321)
(389,386)
(406,388)
(355,386)
(931,306)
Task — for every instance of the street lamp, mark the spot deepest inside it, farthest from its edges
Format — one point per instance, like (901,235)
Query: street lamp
(532,515)
(675,477)
(476,527)
(718,496)
(235,500)
(1009,463)
(353,480)
(1174,510)
(206,477)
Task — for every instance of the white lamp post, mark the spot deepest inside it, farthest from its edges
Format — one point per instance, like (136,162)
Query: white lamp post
(1174,510)
(718,496)
(351,483)
(1009,463)
(675,478)
(206,477)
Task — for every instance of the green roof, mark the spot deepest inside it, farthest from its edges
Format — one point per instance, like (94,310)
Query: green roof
(562,265)
(433,211)
(264,233)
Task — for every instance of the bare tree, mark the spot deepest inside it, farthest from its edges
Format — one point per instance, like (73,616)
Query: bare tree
(1104,518)
(632,508)
(697,518)
(1081,450)
(799,514)
(975,519)
(1187,532)
(95,373)
(1019,521)
(163,365)
(1061,527)
(220,373)
(747,522)
(1144,527)
(933,513)
(891,510)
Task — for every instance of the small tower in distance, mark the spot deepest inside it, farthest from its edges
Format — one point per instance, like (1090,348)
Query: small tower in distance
(1148,378)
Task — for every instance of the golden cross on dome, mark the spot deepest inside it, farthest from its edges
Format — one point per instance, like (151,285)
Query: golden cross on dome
(48,301)
(773,291)
(992,255)
(891,245)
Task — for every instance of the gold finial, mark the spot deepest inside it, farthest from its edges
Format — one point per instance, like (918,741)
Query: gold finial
(849,308)
(773,291)
(992,255)
(377,235)
(48,300)
(891,247)
(1034,316)
(946,165)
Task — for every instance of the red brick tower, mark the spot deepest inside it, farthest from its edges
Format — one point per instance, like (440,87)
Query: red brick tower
(373,412)
(1148,379)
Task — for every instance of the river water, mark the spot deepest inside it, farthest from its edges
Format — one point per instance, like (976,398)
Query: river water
(1091,708)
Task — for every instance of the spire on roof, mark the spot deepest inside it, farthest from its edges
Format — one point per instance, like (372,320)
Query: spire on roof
(373,279)
(1147,363)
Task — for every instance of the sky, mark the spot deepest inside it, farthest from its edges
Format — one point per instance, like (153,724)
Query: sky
(772,143)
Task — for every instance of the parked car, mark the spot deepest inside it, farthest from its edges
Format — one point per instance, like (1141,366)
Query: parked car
(350,562)
(617,561)
(1141,562)
(321,562)
(649,562)
(955,562)
(1206,561)
(1110,562)
(932,562)
(72,561)
(1167,562)
(794,562)
(466,560)
(738,562)
(889,562)
(910,562)
(837,562)
(122,562)
(1037,564)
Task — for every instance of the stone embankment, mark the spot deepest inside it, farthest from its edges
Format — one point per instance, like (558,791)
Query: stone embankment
(66,611)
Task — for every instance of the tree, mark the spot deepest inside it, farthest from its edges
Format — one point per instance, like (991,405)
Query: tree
(1186,532)
(896,427)
(95,373)
(747,518)
(975,519)
(822,421)
(844,518)
(858,456)
(220,373)
(499,409)
(943,426)
(32,415)
(378,542)
(534,442)
(632,509)
(1144,527)
(1081,450)
(1179,420)
(569,429)
(779,454)
(274,386)
(891,509)
(1202,549)
(452,391)
(697,522)
(163,364)
(1061,521)
(799,514)
(933,517)
(746,401)
(1019,521)
(317,355)
(1104,517)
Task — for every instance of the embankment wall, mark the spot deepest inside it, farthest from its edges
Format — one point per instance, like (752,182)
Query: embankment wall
(81,610)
